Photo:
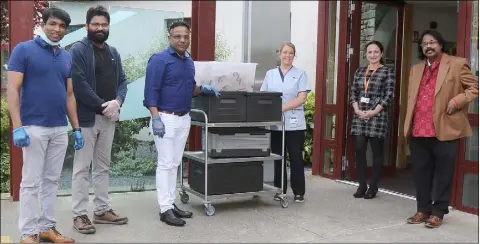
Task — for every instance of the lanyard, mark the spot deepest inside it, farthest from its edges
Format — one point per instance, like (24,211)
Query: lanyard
(365,81)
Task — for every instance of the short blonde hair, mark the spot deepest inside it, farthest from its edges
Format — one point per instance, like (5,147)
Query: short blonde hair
(289,44)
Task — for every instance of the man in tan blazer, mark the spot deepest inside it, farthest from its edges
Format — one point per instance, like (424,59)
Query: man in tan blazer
(440,89)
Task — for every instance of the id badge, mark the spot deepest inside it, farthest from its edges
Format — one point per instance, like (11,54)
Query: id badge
(293,120)
(364,100)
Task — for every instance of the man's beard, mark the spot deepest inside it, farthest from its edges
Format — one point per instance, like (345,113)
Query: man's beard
(92,35)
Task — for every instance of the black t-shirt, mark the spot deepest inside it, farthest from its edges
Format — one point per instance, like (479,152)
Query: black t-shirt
(106,84)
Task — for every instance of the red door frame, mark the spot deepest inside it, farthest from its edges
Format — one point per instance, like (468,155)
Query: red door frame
(389,170)
(321,108)
(20,30)
(463,166)
(322,50)
(203,49)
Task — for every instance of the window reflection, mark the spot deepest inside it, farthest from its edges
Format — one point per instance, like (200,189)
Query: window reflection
(136,34)
(473,107)
(470,191)
(472,146)
(331,84)
(328,161)
(330,126)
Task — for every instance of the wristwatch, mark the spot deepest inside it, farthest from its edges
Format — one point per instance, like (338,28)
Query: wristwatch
(77,129)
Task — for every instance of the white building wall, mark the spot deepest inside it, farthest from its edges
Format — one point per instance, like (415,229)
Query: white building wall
(304,36)
(269,27)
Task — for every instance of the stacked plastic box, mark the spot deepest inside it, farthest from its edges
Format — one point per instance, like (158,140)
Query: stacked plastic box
(234,142)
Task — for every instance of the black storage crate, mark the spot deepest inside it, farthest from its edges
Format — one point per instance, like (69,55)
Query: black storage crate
(264,106)
(226,178)
(229,107)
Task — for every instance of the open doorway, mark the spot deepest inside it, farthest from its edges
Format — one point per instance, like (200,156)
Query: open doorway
(398,27)
(418,17)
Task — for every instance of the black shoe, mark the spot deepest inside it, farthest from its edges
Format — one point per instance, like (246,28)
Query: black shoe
(299,198)
(169,218)
(181,213)
(360,192)
(371,192)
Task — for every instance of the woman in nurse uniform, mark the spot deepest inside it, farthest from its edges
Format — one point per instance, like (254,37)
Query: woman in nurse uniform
(293,83)
(371,96)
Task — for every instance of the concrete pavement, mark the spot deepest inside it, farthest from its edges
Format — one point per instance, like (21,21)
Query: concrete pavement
(329,214)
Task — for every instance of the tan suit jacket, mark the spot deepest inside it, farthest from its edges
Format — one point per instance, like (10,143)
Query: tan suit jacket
(454,81)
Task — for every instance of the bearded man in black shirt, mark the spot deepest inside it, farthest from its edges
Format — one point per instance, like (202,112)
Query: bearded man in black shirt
(100,88)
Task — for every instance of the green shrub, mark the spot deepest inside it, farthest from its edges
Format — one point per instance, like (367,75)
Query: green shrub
(5,151)
(130,165)
(309,108)
(5,173)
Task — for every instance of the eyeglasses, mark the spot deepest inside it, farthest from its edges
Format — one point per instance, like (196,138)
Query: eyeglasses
(180,37)
(97,25)
(425,44)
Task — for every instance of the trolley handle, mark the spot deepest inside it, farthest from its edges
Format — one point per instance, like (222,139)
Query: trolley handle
(201,112)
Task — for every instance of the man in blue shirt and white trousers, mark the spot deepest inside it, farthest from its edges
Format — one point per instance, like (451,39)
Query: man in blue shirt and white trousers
(40,97)
(169,87)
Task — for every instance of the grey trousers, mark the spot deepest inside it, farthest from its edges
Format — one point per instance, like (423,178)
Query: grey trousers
(97,151)
(42,167)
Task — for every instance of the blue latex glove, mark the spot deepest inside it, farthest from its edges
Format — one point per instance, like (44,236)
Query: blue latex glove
(79,140)
(208,89)
(20,137)
(158,127)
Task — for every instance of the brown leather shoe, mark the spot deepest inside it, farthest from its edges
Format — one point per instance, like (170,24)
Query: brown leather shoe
(418,218)
(83,225)
(109,217)
(433,222)
(30,239)
(54,236)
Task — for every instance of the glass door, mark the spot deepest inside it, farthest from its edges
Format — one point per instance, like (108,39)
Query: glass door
(466,190)
(382,22)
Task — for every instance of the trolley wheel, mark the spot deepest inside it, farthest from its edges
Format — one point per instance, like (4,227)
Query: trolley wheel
(184,197)
(209,210)
(284,203)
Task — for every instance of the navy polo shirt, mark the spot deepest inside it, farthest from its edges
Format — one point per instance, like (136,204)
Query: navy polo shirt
(169,81)
(43,97)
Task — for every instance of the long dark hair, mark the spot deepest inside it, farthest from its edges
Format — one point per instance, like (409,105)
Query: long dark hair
(379,45)
(436,35)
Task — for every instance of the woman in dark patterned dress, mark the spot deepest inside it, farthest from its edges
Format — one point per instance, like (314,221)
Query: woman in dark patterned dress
(371,95)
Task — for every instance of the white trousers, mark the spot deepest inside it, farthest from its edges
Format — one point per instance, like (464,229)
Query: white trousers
(97,151)
(42,167)
(169,156)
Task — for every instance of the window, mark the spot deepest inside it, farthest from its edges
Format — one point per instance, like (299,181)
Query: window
(169,22)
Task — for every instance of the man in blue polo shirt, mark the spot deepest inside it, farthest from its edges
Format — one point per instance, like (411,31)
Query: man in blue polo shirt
(40,97)
(169,87)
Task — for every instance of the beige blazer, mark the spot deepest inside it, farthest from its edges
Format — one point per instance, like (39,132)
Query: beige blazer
(454,81)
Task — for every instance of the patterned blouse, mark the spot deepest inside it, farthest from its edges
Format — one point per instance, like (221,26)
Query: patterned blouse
(381,87)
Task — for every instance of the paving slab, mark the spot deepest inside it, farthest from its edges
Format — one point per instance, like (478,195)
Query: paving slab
(329,214)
